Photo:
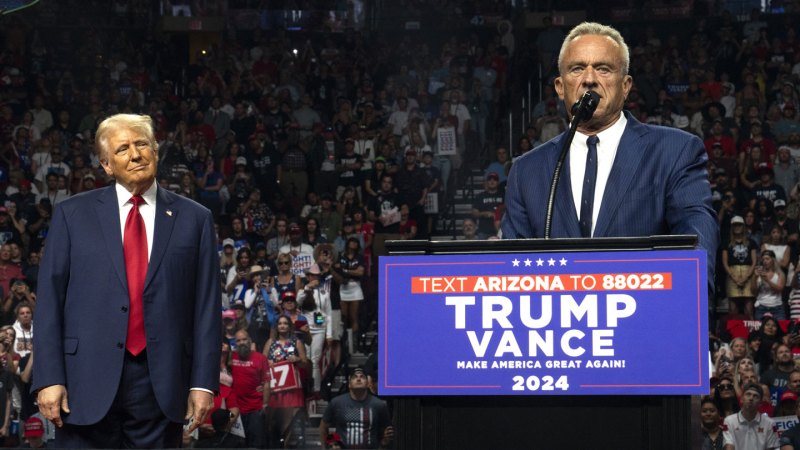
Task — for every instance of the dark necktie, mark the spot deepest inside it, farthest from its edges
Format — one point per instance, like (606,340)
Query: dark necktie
(135,249)
(589,181)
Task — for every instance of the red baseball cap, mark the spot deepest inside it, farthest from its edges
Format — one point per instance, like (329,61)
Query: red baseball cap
(33,427)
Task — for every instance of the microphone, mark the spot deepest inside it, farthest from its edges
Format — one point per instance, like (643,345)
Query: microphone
(583,109)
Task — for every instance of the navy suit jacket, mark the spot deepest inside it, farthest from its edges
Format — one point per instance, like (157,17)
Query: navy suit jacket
(658,185)
(82,304)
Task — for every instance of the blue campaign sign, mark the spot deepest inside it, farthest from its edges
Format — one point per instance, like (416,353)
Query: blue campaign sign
(544,324)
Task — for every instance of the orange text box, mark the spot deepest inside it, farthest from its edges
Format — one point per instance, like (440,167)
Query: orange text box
(645,281)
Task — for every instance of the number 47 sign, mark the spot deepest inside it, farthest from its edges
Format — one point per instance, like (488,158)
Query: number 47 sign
(284,377)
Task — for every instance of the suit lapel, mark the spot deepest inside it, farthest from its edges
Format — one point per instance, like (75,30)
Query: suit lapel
(623,171)
(164,223)
(107,210)
(564,203)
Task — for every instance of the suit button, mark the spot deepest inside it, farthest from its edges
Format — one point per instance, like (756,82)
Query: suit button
(119,345)
(124,309)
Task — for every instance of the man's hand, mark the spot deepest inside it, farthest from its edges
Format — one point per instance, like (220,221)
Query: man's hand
(234,415)
(388,435)
(52,400)
(200,403)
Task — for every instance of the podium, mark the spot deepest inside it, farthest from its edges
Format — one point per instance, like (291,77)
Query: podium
(430,414)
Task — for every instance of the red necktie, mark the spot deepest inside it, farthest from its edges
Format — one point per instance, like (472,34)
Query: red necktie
(135,248)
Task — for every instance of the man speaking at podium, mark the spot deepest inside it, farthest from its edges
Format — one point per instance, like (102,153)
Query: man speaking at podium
(621,177)
(127,317)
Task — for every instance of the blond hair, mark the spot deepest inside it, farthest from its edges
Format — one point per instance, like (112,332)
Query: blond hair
(139,123)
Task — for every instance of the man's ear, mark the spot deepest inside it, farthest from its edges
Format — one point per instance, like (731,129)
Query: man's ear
(106,167)
(558,84)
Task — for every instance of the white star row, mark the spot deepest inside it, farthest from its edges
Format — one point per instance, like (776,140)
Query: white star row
(539,262)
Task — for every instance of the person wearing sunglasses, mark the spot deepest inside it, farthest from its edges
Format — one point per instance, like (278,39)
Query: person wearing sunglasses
(285,280)
(725,397)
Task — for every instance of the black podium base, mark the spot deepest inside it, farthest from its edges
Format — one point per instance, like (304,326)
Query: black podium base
(557,422)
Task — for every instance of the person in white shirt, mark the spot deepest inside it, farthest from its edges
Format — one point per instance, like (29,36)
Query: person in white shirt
(748,429)
(302,254)
(315,299)
(56,165)
(42,118)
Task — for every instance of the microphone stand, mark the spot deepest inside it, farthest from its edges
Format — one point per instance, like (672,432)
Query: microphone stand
(577,118)
(582,110)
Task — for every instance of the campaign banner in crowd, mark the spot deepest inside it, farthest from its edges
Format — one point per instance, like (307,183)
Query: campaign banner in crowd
(568,323)
(446,140)
(784,423)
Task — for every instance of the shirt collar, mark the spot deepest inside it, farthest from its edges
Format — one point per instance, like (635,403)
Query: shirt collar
(610,134)
(743,419)
(124,196)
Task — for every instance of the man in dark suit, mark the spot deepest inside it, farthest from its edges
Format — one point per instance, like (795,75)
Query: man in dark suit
(645,180)
(127,315)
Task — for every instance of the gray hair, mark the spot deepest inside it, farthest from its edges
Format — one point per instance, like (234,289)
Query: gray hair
(135,122)
(597,29)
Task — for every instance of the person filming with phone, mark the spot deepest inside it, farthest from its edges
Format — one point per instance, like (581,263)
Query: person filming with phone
(770,281)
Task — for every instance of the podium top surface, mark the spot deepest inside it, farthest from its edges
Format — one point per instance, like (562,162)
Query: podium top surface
(420,247)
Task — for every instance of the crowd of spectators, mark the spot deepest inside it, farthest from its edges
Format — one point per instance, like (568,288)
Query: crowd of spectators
(311,150)
(314,149)
(733,82)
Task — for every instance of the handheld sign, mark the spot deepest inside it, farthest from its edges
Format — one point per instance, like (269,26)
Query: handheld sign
(283,377)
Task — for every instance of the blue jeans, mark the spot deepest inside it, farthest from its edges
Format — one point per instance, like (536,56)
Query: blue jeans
(778,312)
(445,166)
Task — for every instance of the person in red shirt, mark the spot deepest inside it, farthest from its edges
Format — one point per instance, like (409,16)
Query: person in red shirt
(8,270)
(250,373)
(203,129)
(757,138)
(718,137)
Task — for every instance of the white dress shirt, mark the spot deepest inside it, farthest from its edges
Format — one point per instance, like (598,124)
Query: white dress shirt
(608,141)
(148,212)
(146,209)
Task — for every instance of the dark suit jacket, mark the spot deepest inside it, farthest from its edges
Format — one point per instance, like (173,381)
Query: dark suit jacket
(82,306)
(658,185)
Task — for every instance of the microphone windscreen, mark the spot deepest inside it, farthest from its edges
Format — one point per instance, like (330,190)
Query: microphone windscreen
(586,105)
